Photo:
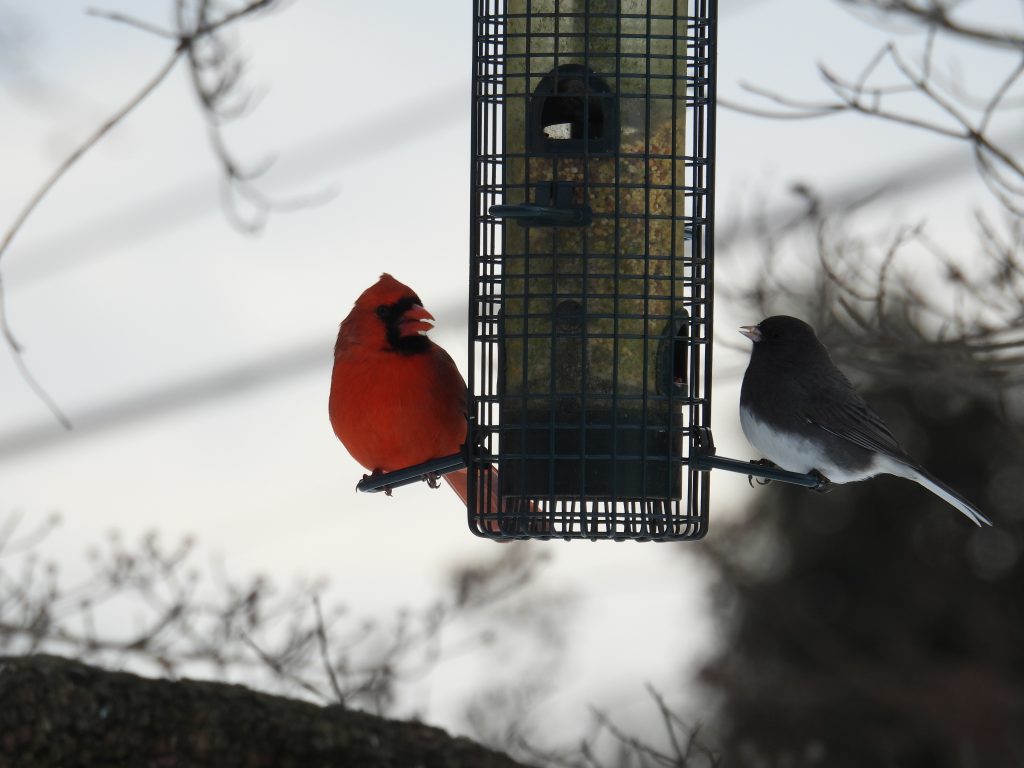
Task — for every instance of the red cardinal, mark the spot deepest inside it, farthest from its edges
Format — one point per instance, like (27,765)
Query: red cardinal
(397,398)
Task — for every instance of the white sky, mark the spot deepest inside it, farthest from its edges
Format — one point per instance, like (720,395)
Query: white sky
(371,99)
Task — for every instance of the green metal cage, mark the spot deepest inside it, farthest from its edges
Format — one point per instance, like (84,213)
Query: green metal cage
(591,269)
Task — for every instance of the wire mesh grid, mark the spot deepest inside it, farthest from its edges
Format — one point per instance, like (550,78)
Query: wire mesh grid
(591,267)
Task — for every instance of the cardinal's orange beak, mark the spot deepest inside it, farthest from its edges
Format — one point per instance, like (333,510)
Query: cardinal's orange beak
(415,320)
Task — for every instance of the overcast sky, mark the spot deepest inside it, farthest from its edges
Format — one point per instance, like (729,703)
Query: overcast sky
(131,293)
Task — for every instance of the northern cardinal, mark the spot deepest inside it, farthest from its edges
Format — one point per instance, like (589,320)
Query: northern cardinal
(805,416)
(397,398)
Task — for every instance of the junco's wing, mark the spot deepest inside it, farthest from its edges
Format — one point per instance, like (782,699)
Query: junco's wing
(848,417)
(852,419)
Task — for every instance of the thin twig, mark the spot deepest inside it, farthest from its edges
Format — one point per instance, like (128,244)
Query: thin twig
(208,27)
(84,147)
(809,114)
(275,665)
(16,349)
(934,14)
(321,636)
(669,720)
(186,43)
(17,353)
(999,169)
(131,22)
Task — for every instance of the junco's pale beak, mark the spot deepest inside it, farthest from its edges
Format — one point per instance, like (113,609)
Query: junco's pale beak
(752,332)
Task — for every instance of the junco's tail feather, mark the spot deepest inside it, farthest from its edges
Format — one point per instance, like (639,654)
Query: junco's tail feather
(920,476)
(872,433)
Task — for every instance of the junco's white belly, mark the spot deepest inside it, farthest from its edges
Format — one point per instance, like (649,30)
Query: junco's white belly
(797,453)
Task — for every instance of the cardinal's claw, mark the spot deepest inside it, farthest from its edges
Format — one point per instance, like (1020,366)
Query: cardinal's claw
(375,473)
(432,479)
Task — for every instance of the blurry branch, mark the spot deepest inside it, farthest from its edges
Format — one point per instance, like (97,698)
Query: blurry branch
(75,155)
(791,112)
(608,744)
(215,73)
(937,340)
(216,70)
(9,545)
(939,14)
(325,652)
(959,114)
(183,623)
(16,349)
(948,315)
(685,748)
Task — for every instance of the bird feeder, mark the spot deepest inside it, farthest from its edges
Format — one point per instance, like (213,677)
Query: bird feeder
(591,268)
(591,274)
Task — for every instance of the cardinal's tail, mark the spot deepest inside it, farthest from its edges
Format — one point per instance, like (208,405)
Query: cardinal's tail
(489,505)
(459,482)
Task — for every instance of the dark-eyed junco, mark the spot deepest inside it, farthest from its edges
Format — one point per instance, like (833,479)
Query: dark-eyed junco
(803,414)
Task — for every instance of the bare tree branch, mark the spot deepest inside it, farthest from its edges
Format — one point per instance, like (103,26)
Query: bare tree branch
(121,18)
(286,642)
(16,349)
(938,14)
(961,116)
(209,21)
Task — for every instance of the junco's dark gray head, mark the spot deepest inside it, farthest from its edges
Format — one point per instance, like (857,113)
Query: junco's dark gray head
(780,329)
(783,338)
